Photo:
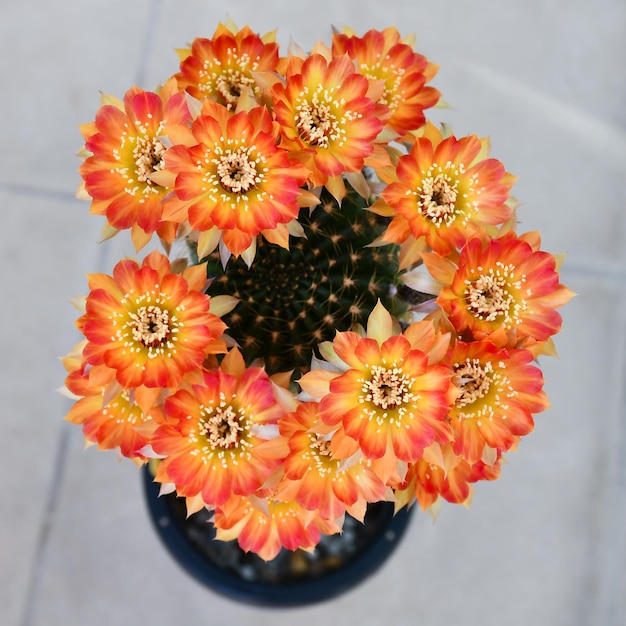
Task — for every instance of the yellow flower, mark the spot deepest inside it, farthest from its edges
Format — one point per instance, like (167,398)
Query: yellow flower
(505,291)
(315,478)
(499,391)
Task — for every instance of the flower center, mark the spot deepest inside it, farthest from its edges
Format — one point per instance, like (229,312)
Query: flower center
(150,326)
(319,456)
(321,447)
(387,388)
(316,122)
(227,78)
(392,78)
(124,411)
(488,297)
(474,381)
(437,199)
(491,295)
(148,156)
(222,427)
(237,171)
(230,83)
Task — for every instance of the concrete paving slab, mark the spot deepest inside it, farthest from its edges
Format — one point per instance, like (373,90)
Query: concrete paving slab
(38,278)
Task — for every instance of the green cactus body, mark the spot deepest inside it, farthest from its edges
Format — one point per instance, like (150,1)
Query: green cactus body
(291,300)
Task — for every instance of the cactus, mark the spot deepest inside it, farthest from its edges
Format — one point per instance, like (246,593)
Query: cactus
(291,300)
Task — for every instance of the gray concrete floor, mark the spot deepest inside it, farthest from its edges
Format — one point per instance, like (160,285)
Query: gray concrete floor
(546,544)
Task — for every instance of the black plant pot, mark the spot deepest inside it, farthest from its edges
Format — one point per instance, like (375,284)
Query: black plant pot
(293,578)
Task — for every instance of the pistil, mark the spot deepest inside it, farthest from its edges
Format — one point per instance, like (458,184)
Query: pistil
(230,84)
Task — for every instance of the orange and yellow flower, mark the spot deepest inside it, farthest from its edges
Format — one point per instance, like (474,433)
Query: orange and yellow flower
(505,291)
(499,391)
(447,191)
(110,415)
(317,480)
(327,119)
(449,477)
(223,67)
(384,56)
(233,182)
(224,440)
(121,175)
(149,325)
(390,394)
(224,158)
(264,525)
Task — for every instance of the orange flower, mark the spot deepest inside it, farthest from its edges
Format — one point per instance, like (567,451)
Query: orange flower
(223,441)
(450,478)
(147,324)
(127,155)
(265,525)
(327,119)
(505,291)
(446,191)
(392,398)
(234,181)
(383,56)
(222,67)
(109,414)
(317,480)
(499,392)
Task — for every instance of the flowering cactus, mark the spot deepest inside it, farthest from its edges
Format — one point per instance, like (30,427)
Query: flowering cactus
(356,320)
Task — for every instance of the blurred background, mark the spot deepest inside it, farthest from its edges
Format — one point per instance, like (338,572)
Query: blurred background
(544,545)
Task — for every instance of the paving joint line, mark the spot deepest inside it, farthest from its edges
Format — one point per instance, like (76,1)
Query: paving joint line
(48,516)
(37,192)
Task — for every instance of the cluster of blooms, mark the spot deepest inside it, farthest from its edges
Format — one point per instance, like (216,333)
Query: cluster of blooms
(230,149)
